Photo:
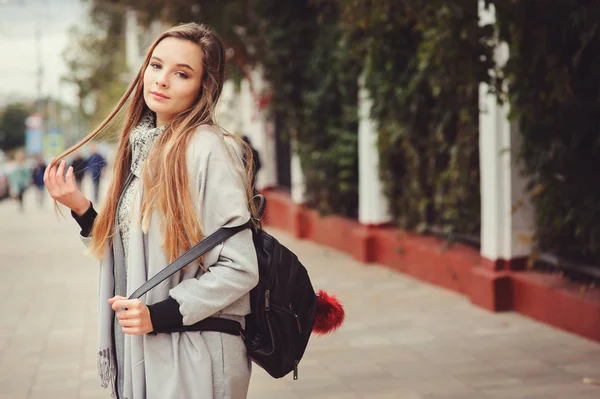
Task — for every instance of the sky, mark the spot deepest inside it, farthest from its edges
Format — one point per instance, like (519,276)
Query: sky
(18,21)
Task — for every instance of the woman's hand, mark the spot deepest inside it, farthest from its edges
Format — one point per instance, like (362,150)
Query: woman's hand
(135,319)
(64,189)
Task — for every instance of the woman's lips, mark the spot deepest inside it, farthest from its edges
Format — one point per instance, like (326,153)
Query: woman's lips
(158,96)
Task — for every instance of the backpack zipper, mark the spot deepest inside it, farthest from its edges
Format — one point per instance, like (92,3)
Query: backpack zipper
(267,300)
(281,308)
(286,310)
(296,369)
(297,318)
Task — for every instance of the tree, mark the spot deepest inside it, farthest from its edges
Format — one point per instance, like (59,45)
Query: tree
(12,125)
(96,62)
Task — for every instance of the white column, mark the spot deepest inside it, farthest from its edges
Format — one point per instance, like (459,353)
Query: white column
(259,128)
(373,206)
(227,108)
(504,234)
(298,189)
(132,42)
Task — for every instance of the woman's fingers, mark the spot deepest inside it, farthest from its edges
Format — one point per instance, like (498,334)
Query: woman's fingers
(46,171)
(57,184)
(132,331)
(130,322)
(128,314)
(50,178)
(60,173)
(116,298)
(70,179)
(63,188)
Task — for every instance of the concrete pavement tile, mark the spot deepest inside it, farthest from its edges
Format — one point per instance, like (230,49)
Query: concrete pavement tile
(6,331)
(370,341)
(443,385)
(68,335)
(542,391)
(282,394)
(555,377)
(15,385)
(305,387)
(487,379)
(585,395)
(350,369)
(57,364)
(444,355)
(268,386)
(62,357)
(19,364)
(468,367)
(558,356)
(53,382)
(340,395)
(89,381)
(53,394)
(308,372)
(401,393)
(475,395)
(525,368)
(319,347)
(409,372)
(372,383)
(94,394)
(93,390)
(589,368)
(57,376)
(413,338)
(90,384)
(390,354)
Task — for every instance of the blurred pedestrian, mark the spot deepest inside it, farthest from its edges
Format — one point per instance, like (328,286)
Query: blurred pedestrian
(19,179)
(38,178)
(177,179)
(79,164)
(255,160)
(95,164)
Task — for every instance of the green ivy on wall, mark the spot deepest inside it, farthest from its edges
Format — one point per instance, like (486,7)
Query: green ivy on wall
(553,79)
(424,63)
(328,137)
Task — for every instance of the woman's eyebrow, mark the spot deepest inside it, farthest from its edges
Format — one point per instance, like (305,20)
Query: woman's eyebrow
(178,65)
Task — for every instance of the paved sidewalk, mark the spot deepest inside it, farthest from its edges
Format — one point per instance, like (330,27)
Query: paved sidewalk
(402,338)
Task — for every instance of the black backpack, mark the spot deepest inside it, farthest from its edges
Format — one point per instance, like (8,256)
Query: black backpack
(283,304)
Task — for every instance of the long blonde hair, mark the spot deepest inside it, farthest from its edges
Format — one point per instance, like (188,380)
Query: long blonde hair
(166,179)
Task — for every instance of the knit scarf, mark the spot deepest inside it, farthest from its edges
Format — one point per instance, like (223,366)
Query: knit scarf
(114,282)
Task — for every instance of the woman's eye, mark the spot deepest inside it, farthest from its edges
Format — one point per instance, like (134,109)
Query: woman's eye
(182,75)
(155,66)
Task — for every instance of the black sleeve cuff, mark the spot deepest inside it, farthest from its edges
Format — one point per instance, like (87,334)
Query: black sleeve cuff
(165,314)
(86,221)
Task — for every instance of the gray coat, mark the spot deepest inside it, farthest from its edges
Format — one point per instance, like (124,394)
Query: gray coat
(190,364)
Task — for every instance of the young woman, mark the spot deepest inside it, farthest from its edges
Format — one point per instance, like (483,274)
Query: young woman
(177,178)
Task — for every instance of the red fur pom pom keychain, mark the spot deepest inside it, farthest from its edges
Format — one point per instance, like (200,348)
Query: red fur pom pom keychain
(329,314)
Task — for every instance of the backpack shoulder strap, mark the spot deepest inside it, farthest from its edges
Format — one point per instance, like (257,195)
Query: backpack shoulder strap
(189,256)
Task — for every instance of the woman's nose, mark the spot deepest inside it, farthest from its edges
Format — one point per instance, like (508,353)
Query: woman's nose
(161,81)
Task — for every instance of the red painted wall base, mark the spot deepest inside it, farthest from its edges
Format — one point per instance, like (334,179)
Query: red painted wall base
(496,286)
